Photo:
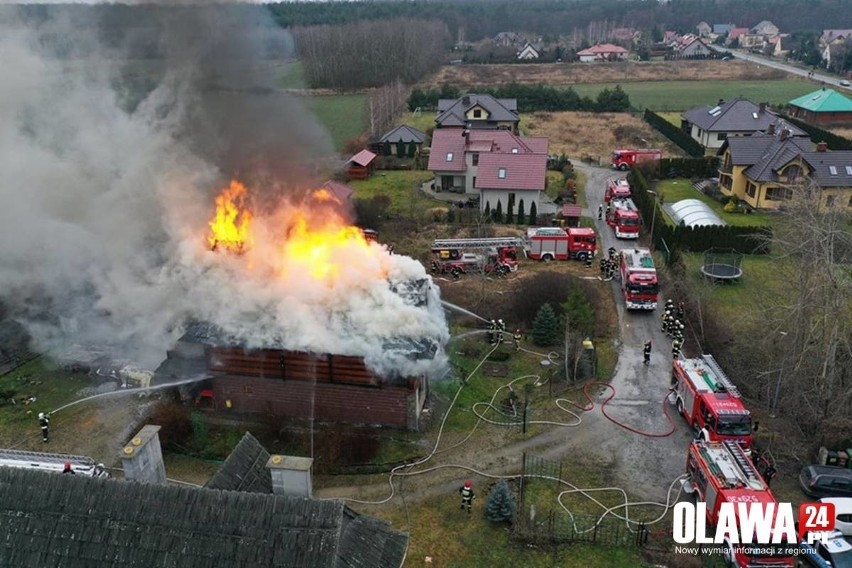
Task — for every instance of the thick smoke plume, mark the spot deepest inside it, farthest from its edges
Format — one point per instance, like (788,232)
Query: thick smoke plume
(107,191)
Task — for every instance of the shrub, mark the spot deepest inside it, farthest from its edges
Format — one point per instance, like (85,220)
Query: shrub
(501,505)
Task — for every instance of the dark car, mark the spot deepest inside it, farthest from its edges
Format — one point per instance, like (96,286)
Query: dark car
(826,481)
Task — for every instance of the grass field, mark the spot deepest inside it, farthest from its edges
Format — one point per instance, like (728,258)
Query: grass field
(400,187)
(292,76)
(672,190)
(344,116)
(682,95)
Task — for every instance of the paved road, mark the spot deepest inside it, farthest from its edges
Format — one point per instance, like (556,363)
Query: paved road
(817,76)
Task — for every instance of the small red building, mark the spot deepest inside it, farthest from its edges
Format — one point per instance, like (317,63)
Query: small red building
(360,166)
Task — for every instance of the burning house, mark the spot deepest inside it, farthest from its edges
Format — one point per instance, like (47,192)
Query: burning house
(342,330)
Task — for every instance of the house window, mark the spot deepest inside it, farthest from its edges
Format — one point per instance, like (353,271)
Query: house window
(476,159)
(514,150)
(832,170)
(849,170)
(777,193)
(501,173)
(449,156)
(721,136)
(751,189)
(477,113)
(793,174)
(829,200)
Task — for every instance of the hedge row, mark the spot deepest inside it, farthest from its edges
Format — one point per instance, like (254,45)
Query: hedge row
(817,134)
(747,240)
(693,168)
(674,134)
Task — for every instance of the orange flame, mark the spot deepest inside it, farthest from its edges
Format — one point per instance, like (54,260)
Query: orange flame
(230,228)
(324,251)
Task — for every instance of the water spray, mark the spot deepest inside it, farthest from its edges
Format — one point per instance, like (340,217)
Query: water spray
(130,391)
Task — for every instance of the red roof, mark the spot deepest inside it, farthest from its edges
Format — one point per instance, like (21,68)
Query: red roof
(447,143)
(602,49)
(505,142)
(572,211)
(363,158)
(340,190)
(520,171)
(737,32)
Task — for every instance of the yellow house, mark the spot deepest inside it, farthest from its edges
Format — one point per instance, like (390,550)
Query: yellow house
(762,169)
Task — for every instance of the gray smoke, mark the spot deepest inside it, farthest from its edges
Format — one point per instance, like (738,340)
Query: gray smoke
(107,193)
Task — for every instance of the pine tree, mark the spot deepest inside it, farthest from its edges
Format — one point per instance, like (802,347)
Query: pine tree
(498,213)
(501,504)
(488,210)
(533,214)
(412,149)
(545,327)
(386,148)
(521,216)
(400,148)
(510,216)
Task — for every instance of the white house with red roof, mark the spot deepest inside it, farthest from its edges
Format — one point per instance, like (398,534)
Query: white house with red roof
(498,166)
(602,52)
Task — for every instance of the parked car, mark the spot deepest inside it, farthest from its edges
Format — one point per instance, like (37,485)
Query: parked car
(845,83)
(826,481)
(837,553)
(842,513)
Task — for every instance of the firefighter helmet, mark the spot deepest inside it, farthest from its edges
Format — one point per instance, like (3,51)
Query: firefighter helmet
(40,415)
(468,484)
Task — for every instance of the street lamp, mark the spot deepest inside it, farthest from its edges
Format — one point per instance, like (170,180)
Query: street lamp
(653,216)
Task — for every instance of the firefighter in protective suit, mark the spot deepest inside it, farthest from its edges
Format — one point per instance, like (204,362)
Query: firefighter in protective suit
(467,495)
(501,329)
(517,338)
(44,424)
(492,332)
(646,352)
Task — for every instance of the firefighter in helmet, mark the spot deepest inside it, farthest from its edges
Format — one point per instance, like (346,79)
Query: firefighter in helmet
(676,345)
(501,329)
(492,332)
(44,424)
(517,338)
(646,352)
(467,495)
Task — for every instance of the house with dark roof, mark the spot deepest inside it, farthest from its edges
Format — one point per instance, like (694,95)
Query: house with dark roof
(602,52)
(838,36)
(405,136)
(75,520)
(694,47)
(710,126)
(764,169)
(478,111)
(244,469)
(825,106)
(722,29)
(498,166)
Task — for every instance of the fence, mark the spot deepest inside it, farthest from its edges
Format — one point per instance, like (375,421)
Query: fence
(673,133)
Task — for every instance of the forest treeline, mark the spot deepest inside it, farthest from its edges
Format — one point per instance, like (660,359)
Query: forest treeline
(369,54)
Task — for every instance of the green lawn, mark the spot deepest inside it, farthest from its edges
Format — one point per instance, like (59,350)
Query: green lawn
(344,116)
(292,76)
(673,117)
(423,121)
(682,95)
(672,190)
(400,186)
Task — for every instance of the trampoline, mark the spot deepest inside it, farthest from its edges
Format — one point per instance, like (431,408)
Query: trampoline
(722,265)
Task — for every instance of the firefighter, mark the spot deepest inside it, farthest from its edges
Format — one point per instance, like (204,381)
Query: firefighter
(600,211)
(492,332)
(677,330)
(517,338)
(608,209)
(676,345)
(670,305)
(769,474)
(610,270)
(611,252)
(646,352)
(604,267)
(467,495)
(665,321)
(67,469)
(589,260)
(501,329)
(44,424)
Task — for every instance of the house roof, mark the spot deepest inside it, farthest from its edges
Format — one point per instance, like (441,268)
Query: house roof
(762,25)
(602,49)
(823,163)
(824,100)
(451,112)
(75,520)
(244,469)
(751,150)
(569,211)
(698,44)
(523,172)
(340,190)
(737,115)
(363,158)
(722,29)
(503,141)
(832,35)
(737,32)
(405,133)
(446,141)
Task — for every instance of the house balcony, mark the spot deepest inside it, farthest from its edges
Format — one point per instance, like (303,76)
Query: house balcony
(726,169)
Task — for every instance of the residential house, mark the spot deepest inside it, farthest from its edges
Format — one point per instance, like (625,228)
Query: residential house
(508,39)
(498,166)
(763,169)
(360,166)
(240,520)
(403,135)
(710,126)
(822,107)
(704,29)
(782,46)
(722,29)
(478,112)
(530,51)
(833,52)
(694,48)
(765,28)
(834,36)
(734,36)
(670,36)
(603,52)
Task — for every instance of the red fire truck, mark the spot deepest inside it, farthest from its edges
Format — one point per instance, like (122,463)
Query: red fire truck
(721,472)
(710,402)
(623,159)
(623,216)
(554,243)
(639,279)
(616,188)
(500,255)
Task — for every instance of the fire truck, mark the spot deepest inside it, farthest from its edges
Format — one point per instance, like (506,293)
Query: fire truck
(721,472)
(623,159)
(710,402)
(624,217)
(53,463)
(639,279)
(554,243)
(500,256)
(616,188)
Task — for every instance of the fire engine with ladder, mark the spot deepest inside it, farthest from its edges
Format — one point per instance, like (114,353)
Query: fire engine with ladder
(623,217)
(500,258)
(639,279)
(710,402)
(721,472)
(53,463)
(616,188)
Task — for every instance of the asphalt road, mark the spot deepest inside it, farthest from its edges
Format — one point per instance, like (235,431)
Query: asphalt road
(817,76)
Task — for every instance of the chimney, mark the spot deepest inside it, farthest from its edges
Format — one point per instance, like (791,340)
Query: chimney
(291,475)
(822,147)
(761,108)
(142,457)
(771,129)
(465,100)
(784,134)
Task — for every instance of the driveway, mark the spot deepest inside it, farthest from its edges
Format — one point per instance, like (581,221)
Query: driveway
(814,75)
